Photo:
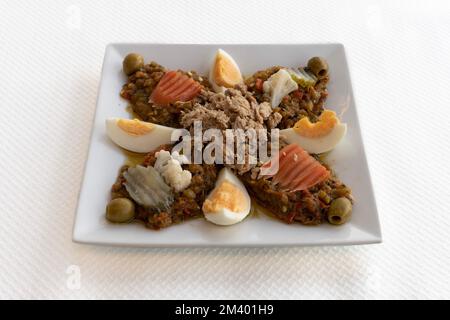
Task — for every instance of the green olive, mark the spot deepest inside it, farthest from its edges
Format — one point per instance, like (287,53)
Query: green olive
(318,66)
(340,211)
(132,63)
(120,210)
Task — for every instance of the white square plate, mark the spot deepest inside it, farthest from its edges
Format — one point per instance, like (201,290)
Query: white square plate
(104,158)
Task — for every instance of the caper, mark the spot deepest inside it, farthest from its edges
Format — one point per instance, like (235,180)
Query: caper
(340,211)
(189,193)
(120,210)
(324,196)
(318,66)
(132,63)
(341,191)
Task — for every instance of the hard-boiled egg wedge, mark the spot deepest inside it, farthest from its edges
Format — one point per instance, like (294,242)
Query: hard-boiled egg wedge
(318,137)
(137,136)
(224,72)
(229,202)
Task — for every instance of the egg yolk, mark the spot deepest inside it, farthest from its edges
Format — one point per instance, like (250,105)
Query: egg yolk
(226,73)
(225,196)
(327,121)
(135,127)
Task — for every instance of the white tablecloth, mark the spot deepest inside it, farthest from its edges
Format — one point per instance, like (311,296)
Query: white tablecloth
(50,59)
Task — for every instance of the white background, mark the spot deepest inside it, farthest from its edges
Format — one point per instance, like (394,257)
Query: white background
(50,59)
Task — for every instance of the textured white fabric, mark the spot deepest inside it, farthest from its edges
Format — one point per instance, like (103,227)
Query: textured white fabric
(50,61)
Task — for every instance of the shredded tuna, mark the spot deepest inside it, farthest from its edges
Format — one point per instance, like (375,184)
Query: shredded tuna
(211,119)
(235,109)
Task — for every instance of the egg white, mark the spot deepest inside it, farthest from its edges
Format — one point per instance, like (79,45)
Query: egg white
(224,216)
(319,144)
(216,87)
(138,143)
